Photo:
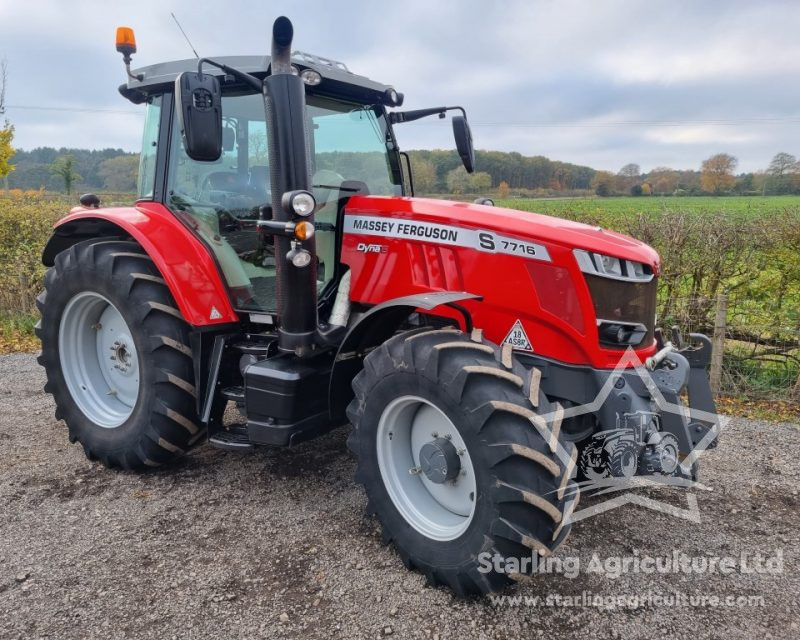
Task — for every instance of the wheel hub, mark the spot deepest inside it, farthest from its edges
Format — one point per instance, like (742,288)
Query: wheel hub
(426,467)
(121,356)
(98,359)
(439,460)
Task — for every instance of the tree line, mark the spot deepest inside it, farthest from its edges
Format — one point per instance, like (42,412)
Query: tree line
(441,171)
(434,172)
(68,169)
(716,177)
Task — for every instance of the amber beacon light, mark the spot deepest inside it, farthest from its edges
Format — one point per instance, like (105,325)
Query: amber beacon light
(126,41)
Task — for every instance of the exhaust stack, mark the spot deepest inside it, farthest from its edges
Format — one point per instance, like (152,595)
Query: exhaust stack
(290,170)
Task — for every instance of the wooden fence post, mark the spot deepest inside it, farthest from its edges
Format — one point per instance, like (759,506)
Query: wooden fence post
(718,342)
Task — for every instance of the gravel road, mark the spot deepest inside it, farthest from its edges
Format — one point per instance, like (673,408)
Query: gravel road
(276,544)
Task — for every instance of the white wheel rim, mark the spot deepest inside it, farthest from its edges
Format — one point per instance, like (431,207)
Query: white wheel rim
(98,359)
(440,511)
(629,463)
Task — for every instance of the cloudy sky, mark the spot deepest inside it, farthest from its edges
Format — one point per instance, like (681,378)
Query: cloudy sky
(603,83)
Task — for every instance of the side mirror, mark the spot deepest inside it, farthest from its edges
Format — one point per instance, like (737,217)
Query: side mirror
(463,136)
(199,101)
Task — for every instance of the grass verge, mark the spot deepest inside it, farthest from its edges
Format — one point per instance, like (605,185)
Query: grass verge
(16,333)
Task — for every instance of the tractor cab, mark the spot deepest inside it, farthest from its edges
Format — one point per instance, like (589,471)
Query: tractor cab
(352,150)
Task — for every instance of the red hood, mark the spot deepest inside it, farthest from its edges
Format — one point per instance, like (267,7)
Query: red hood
(523,224)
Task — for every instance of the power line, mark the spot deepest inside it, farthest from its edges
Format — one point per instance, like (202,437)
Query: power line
(635,123)
(27,107)
(532,124)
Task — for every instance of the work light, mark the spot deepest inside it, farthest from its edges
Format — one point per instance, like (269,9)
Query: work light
(299,202)
(311,77)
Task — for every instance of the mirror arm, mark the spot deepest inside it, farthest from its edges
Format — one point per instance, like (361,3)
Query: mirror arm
(396,117)
(249,80)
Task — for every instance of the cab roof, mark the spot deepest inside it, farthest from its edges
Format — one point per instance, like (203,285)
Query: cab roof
(337,79)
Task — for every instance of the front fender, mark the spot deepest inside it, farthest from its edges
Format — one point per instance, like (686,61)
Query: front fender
(374,328)
(187,266)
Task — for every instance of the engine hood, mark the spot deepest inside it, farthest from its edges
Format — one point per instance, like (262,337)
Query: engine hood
(511,222)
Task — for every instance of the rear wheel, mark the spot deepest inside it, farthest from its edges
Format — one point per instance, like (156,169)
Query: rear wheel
(459,464)
(116,353)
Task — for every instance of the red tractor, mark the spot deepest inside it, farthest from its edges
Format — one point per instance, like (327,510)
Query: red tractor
(276,259)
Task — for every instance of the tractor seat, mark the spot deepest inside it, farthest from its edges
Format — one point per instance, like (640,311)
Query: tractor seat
(225,181)
(259,182)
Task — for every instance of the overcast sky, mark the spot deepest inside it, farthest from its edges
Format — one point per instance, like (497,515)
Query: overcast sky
(601,83)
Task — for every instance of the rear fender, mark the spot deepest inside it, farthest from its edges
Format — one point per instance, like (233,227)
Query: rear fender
(187,266)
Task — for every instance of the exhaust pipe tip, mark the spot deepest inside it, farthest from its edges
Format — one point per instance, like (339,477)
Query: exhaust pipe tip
(282,34)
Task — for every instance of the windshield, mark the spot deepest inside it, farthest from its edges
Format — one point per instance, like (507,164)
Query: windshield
(221,199)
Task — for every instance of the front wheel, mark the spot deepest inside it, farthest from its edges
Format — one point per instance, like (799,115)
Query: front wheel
(623,460)
(467,474)
(116,353)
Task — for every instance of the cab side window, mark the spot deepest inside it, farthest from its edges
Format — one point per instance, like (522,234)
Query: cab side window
(147,158)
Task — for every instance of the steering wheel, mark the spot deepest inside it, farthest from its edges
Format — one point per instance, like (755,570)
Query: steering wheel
(205,186)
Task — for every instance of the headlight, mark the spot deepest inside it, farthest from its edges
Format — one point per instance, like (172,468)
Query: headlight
(621,333)
(300,203)
(610,266)
(598,264)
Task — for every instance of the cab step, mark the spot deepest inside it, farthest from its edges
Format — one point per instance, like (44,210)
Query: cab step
(232,439)
(236,394)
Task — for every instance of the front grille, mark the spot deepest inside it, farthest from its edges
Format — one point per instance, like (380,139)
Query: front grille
(625,302)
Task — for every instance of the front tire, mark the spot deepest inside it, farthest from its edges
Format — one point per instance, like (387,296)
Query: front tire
(116,353)
(423,389)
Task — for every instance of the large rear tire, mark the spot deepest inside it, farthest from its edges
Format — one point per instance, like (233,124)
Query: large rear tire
(439,404)
(116,352)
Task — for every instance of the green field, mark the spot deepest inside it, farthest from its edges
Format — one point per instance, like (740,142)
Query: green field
(614,209)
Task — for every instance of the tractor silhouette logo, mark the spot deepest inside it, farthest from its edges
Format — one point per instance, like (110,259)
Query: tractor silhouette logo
(615,453)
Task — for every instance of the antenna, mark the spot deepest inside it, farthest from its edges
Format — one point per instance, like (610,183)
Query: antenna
(184,35)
